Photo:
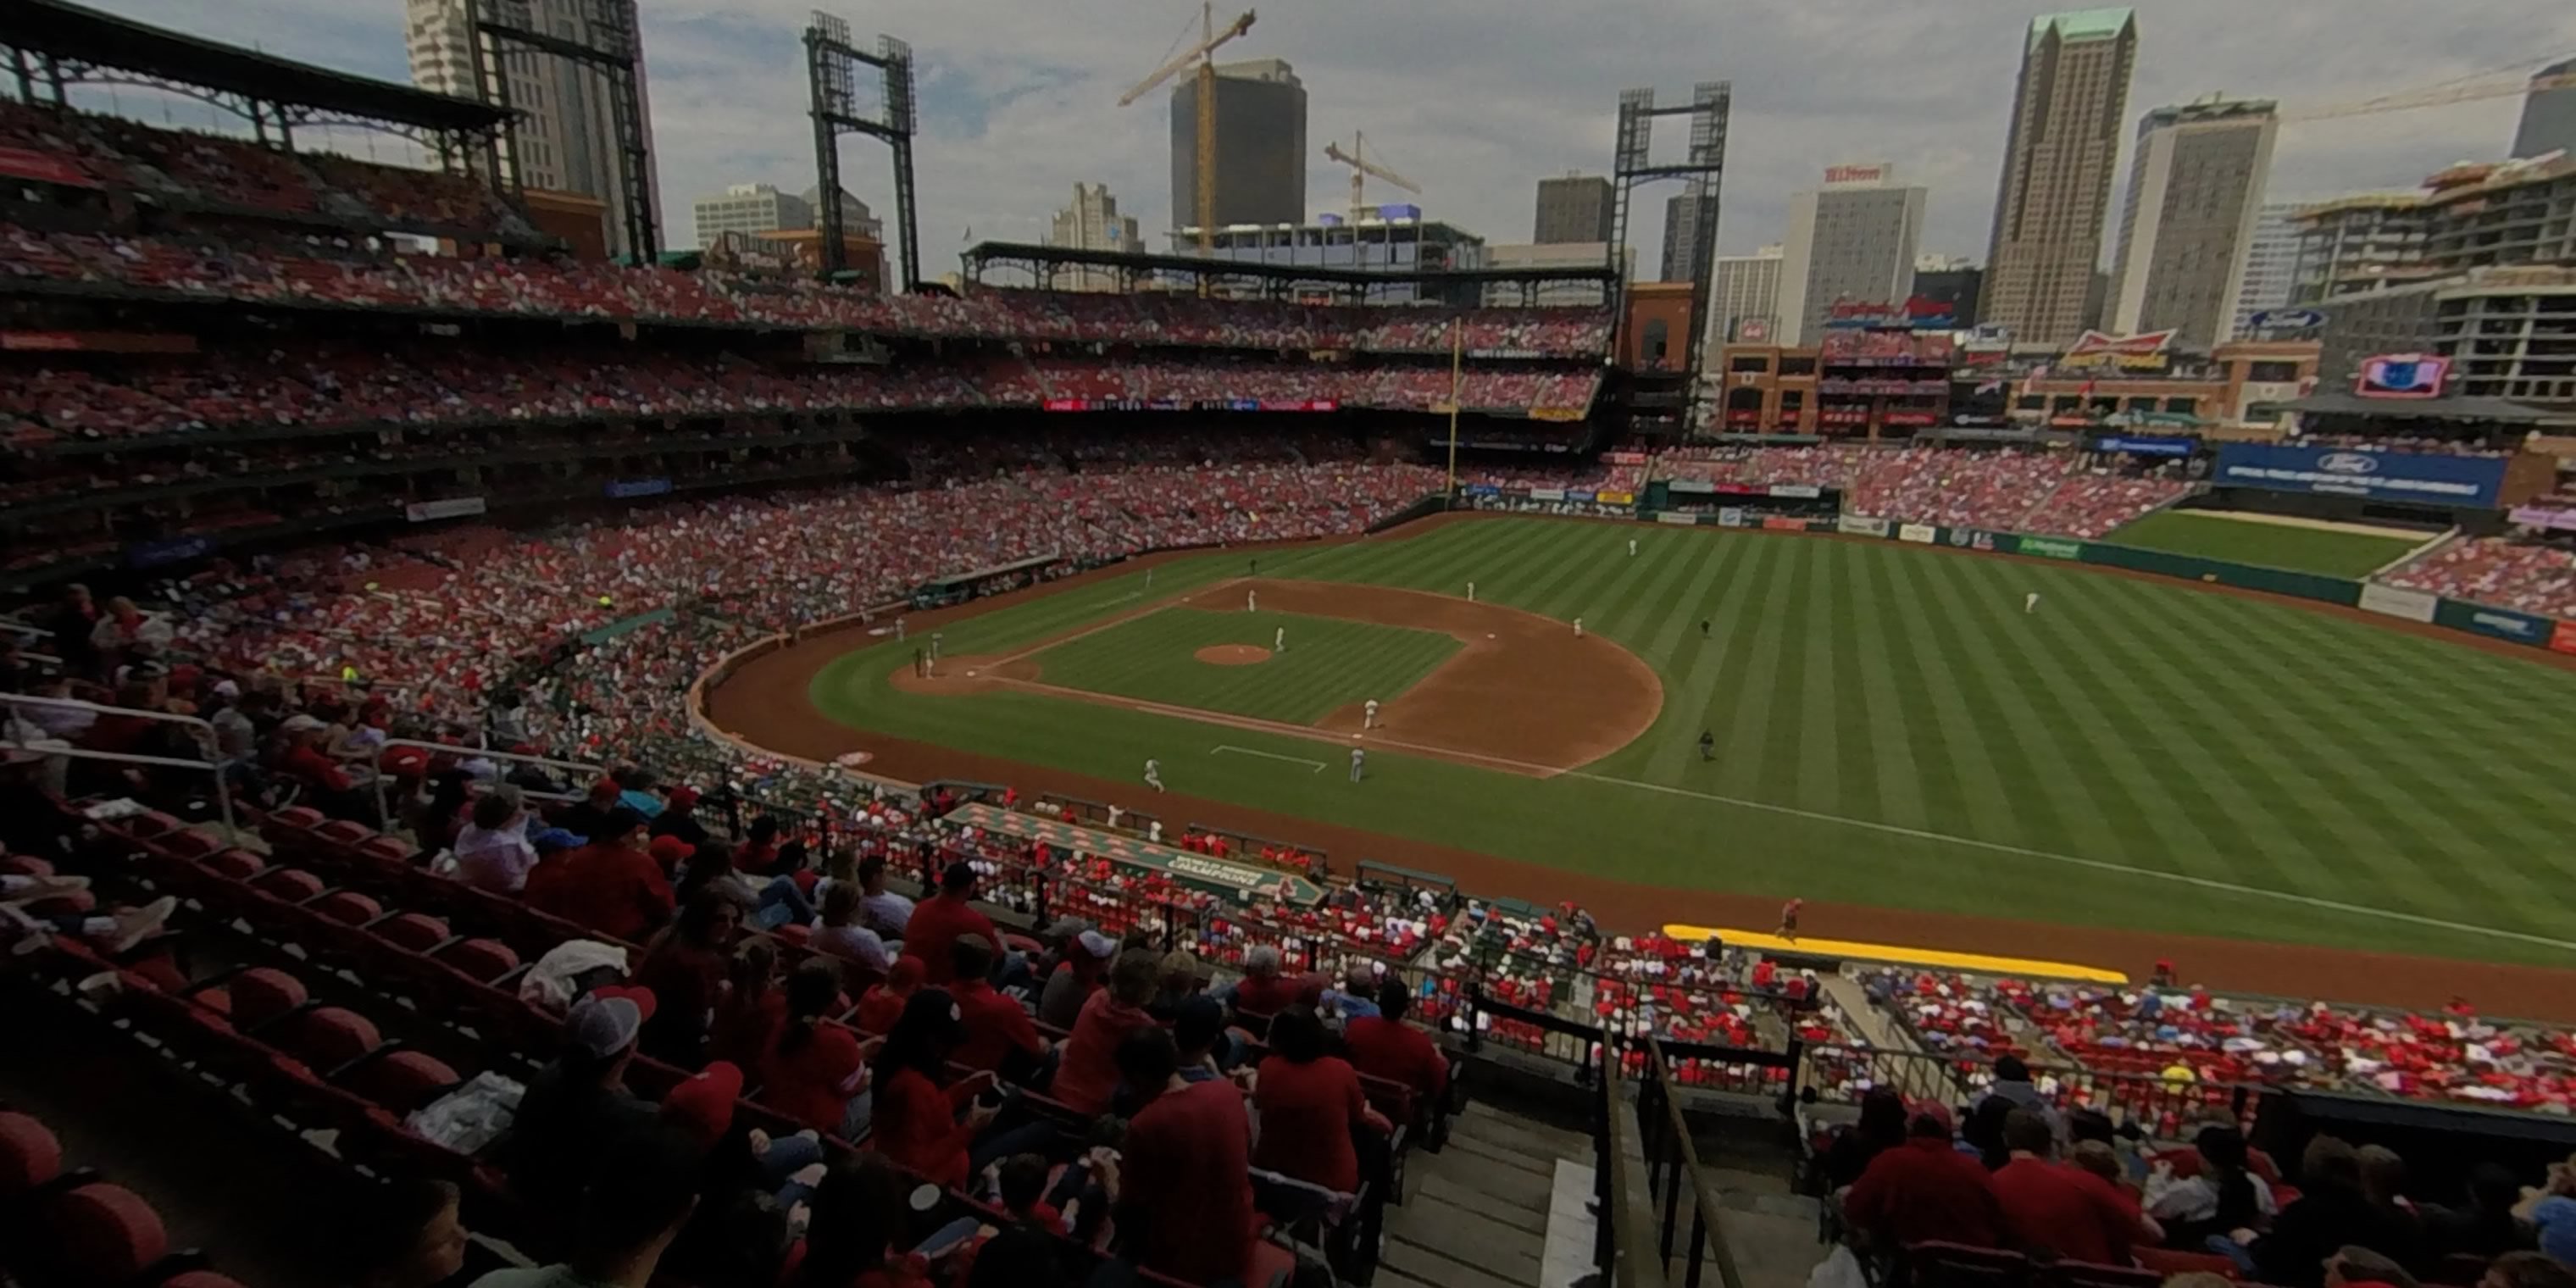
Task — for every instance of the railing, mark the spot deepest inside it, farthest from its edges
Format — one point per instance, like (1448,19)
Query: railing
(1536,1032)
(1623,1247)
(1672,1160)
(384,805)
(2162,1106)
(212,765)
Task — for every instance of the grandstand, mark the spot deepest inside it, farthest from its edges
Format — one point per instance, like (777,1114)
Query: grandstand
(365,604)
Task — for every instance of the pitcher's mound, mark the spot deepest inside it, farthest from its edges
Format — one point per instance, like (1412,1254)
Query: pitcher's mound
(1232,654)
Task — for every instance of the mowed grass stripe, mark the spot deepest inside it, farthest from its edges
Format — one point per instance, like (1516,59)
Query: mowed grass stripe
(1329,662)
(2269,545)
(1692,680)
(1883,726)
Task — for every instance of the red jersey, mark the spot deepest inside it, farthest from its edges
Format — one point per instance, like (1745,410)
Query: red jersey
(809,1083)
(995,1026)
(1266,996)
(1399,1053)
(916,1125)
(879,1008)
(1308,1112)
(1186,1196)
(614,891)
(1087,1077)
(934,929)
(1924,1189)
(2067,1210)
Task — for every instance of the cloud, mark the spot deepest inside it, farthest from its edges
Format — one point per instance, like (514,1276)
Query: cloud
(1478,99)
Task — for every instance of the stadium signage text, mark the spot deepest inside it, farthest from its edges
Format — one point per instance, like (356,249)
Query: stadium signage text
(2052,548)
(2413,605)
(2286,320)
(1853,525)
(1797,491)
(2146,351)
(2146,444)
(2402,375)
(455,507)
(2466,481)
(2535,516)
(1921,534)
(169,550)
(623,489)
(2563,639)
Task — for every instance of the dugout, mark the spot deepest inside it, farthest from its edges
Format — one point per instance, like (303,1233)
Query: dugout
(2441,1143)
(941,592)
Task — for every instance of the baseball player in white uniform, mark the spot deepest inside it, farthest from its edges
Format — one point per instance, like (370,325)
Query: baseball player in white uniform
(1578,628)
(2030,602)
(1471,592)
(1358,758)
(1368,714)
(1154,774)
(1279,640)
(1632,547)
(1251,602)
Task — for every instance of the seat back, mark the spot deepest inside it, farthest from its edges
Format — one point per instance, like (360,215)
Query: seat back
(104,1234)
(29,1155)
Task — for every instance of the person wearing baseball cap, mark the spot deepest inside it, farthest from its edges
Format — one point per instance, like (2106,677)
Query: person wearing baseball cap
(679,816)
(1926,1189)
(1086,964)
(589,816)
(577,1106)
(304,761)
(613,885)
(703,1105)
(942,918)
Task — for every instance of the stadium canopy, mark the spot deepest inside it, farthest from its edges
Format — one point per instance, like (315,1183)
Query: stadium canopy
(2498,411)
(1276,281)
(53,32)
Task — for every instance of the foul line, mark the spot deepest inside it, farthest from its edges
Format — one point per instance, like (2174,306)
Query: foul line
(1267,755)
(2098,865)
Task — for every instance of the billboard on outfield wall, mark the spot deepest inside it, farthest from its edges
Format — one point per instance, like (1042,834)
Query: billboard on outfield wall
(2563,639)
(1615,498)
(1730,517)
(1971,538)
(1775,523)
(2424,478)
(1853,525)
(2051,547)
(1797,491)
(2498,623)
(1481,489)
(1677,519)
(2413,605)
(1547,494)
(1921,534)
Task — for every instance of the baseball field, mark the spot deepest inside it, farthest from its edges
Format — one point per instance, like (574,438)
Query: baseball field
(2337,550)
(2129,760)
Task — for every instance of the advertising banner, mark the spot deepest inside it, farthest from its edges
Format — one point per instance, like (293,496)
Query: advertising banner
(1692,487)
(2537,516)
(1579,496)
(1615,498)
(2420,477)
(1970,538)
(1624,458)
(2146,444)
(1920,534)
(1776,523)
(168,550)
(1481,489)
(2051,547)
(1677,519)
(1556,413)
(2500,623)
(1853,525)
(1547,494)
(2413,605)
(1800,491)
(1730,517)
(2563,639)
(43,167)
(623,489)
(455,507)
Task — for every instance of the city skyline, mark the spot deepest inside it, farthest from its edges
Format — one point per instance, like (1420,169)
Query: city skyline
(1477,110)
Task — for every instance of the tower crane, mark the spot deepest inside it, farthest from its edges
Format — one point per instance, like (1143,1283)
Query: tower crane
(1202,54)
(1362,167)
(2501,82)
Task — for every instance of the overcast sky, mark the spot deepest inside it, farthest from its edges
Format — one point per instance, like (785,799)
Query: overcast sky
(1477,99)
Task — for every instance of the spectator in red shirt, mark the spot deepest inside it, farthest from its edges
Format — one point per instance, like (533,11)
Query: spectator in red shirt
(882,1004)
(814,1071)
(748,1018)
(1000,1036)
(917,1123)
(548,888)
(613,886)
(2058,1207)
(1263,991)
(685,967)
(303,760)
(1384,1046)
(945,916)
(1924,1189)
(1310,1104)
(1185,1196)
(1087,1079)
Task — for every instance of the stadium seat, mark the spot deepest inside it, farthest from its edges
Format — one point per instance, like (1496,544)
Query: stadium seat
(101,1234)
(29,1155)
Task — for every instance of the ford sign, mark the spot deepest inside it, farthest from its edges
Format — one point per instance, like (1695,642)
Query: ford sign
(2286,320)
(2348,463)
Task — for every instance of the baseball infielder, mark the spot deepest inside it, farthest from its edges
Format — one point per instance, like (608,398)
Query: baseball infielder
(1251,602)
(1471,592)
(1154,774)
(1368,714)
(2030,602)
(1358,758)
(1578,628)
(1632,547)
(1279,640)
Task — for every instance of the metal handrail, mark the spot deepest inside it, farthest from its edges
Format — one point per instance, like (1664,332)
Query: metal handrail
(1671,1153)
(212,764)
(1623,1247)
(384,810)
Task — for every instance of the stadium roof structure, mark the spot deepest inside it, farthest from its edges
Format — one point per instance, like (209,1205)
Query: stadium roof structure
(47,34)
(2501,411)
(1142,271)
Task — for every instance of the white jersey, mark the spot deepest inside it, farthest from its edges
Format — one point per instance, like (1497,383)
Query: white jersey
(1632,547)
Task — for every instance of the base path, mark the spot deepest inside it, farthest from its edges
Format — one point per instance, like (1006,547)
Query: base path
(765,704)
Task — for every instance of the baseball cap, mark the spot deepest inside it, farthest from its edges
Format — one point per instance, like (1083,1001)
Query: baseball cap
(704,1104)
(606,787)
(556,838)
(670,850)
(606,1022)
(1926,1107)
(300,723)
(1097,944)
(682,797)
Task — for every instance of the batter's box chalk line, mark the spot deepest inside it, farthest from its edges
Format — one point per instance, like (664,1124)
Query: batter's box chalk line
(1313,766)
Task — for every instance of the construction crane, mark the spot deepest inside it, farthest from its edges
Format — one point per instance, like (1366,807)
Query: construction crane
(1361,168)
(1203,55)
(2501,82)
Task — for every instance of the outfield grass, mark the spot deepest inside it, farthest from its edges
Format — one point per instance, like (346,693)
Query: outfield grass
(1893,729)
(2271,545)
(1329,663)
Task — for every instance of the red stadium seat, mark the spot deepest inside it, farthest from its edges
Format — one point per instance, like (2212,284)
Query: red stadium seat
(103,1234)
(413,931)
(402,1081)
(29,1155)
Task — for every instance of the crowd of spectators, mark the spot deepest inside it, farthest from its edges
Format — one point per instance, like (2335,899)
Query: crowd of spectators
(2535,574)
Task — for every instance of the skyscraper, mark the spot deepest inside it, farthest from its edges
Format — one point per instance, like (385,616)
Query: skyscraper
(1851,240)
(2548,112)
(2195,194)
(2271,266)
(567,138)
(1092,222)
(758,208)
(1742,289)
(1575,208)
(1260,146)
(2058,163)
(1682,214)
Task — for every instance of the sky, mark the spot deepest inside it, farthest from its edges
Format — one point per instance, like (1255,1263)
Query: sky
(1478,99)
